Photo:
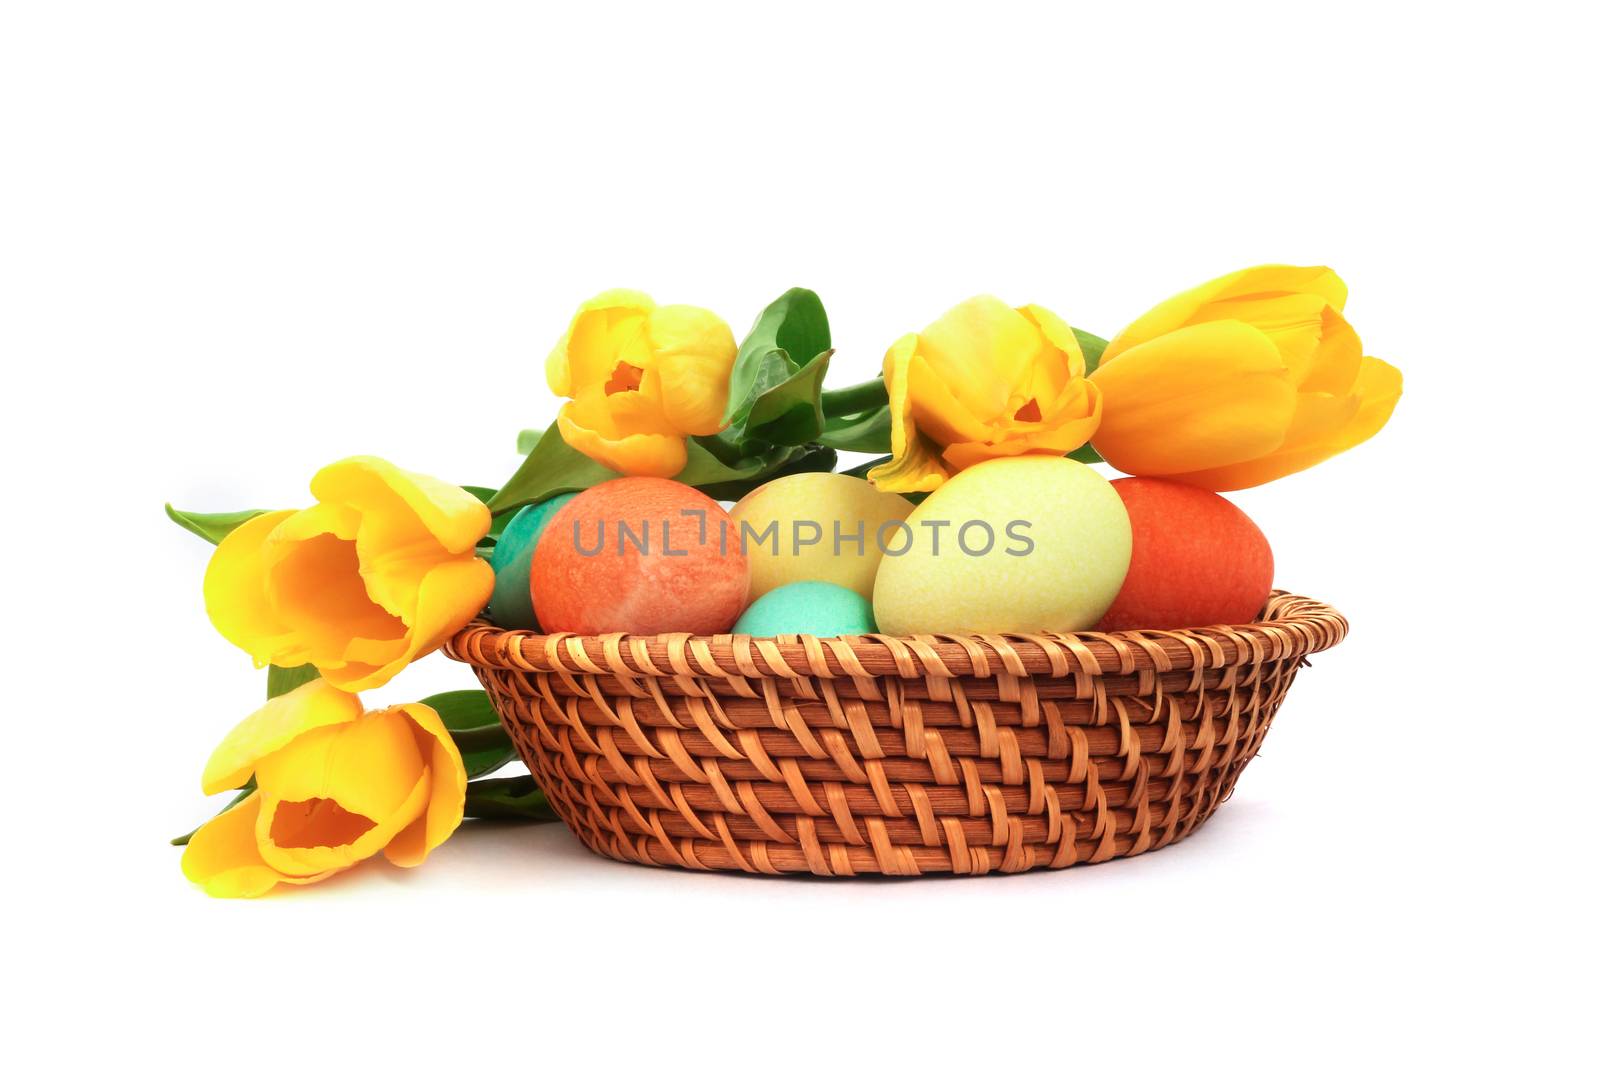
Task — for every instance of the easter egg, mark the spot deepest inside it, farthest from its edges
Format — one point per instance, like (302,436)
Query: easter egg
(511,606)
(818,608)
(1014,545)
(639,555)
(1197,560)
(816,527)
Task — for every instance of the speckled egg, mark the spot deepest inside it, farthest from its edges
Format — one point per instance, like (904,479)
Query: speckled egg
(821,609)
(639,555)
(823,527)
(1014,545)
(512,604)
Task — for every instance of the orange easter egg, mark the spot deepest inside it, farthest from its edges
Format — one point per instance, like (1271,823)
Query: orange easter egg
(641,556)
(1197,560)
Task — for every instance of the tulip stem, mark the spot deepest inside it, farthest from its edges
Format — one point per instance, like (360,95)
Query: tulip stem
(853,399)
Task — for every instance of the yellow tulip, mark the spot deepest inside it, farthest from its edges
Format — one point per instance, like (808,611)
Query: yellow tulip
(986,380)
(642,378)
(376,574)
(1242,380)
(334,786)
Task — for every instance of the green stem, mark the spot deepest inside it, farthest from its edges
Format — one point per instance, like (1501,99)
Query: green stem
(855,398)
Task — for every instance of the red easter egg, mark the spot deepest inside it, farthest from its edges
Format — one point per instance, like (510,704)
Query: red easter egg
(1197,560)
(641,556)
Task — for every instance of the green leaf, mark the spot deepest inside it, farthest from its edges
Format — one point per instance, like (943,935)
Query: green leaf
(1085,453)
(281,680)
(214,526)
(552,468)
(709,463)
(507,798)
(867,431)
(1093,347)
(527,440)
(470,717)
(249,787)
(463,709)
(790,333)
(790,413)
(755,470)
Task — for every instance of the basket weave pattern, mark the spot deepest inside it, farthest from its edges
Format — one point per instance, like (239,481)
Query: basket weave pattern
(892,755)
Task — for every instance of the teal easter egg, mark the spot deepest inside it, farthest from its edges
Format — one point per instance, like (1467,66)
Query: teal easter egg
(821,609)
(511,606)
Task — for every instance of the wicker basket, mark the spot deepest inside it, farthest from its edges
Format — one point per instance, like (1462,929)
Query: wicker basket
(893,755)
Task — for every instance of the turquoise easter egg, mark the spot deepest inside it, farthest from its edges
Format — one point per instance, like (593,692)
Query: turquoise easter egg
(821,609)
(511,606)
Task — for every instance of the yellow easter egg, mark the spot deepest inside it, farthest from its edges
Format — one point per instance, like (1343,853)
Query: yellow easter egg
(816,527)
(1016,545)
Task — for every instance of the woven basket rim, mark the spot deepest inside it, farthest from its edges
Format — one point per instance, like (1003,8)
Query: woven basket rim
(1290,626)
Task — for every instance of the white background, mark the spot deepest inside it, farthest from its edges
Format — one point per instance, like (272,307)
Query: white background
(242,241)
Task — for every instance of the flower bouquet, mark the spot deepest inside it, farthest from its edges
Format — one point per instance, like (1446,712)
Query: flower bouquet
(970,653)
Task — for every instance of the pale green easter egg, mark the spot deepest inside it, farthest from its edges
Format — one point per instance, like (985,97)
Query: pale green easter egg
(816,527)
(821,609)
(511,606)
(1015,545)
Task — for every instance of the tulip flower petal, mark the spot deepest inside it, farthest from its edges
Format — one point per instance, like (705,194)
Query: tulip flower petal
(1376,391)
(450,514)
(615,307)
(608,349)
(623,413)
(272,726)
(320,836)
(448,789)
(979,351)
(1292,321)
(641,379)
(338,584)
(651,454)
(984,381)
(368,765)
(1179,311)
(694,354)
(1057,333)
(236,590)
(939,413)
(337,795)
(1074,424)
(1055,384)
(964,454)
(409,524)
(1337,359)
(915,466)
(916,470)
(1199,397)
(222,857)
(315,587)
(448,597)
